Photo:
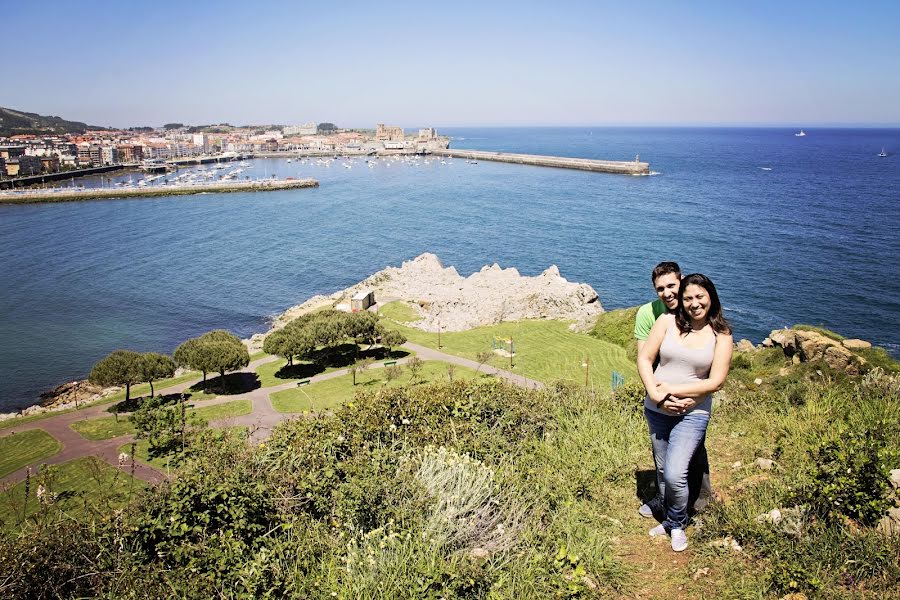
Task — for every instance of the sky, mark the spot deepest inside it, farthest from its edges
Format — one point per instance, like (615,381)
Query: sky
(456,63)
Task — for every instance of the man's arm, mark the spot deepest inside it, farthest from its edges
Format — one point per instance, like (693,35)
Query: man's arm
(643,323)
(647,355)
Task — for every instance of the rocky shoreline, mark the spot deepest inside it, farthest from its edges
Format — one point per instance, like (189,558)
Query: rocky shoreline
(440,295)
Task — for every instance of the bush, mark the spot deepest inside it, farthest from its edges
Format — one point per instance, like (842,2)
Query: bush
(631,396)
(852,475)
(617,327)
(740,360)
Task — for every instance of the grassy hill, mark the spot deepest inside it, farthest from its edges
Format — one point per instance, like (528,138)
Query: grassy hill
(15,122)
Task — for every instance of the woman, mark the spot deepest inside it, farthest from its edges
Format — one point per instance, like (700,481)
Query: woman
(694,346)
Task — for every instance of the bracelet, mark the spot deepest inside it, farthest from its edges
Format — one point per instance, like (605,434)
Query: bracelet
(663,401)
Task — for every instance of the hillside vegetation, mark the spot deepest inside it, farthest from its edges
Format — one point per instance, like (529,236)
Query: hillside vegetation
(476,489)
(15,122)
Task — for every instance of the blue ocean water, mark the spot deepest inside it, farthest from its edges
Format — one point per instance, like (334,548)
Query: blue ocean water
(814,239)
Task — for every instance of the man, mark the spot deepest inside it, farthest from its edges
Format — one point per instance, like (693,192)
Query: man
(666,278)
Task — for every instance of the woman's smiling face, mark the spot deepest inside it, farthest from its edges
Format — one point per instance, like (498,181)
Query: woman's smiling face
(696,302)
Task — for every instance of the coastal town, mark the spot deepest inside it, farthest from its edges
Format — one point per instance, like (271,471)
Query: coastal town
(33,154)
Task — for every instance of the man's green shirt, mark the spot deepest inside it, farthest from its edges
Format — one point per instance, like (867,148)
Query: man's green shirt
(646,317)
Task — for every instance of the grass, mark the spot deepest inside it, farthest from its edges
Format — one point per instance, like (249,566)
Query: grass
(322,361)
(226,410)
(332,393)
(21,449)
(142,453)
(820,330)
(103,428)
(136,390)
(143,389)
(83,487)
(545,350)
(617,327)
(399,311)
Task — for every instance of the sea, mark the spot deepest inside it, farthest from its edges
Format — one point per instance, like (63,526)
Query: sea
(791,229)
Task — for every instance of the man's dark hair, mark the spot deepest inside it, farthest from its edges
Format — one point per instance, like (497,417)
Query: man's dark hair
(664,268)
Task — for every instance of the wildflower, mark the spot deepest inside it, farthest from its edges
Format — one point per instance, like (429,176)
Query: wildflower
(123,458)
(406,421)
(41,493)
(393,427)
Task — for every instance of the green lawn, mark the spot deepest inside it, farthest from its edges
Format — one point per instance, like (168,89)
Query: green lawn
(142,452)
(399,311)
(82,487)
(21,449)
(275,373)
(106,428)
(143,389)
(235,408)
(136,390)
(545,350)
(103,428)
(331,393)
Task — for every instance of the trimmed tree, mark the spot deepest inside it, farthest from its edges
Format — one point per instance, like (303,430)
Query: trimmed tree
(156,366)
(391,339)
(186,356)
(217,350)
(120,367)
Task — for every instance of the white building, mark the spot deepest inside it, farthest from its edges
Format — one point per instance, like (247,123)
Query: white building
(304,129)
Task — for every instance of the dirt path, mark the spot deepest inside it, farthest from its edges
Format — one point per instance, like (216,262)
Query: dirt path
(260,421)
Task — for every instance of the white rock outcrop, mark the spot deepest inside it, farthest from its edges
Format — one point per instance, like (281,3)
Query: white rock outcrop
(443,298)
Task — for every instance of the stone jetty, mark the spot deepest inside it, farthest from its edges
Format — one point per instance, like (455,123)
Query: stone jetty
(76,194)
(634,167)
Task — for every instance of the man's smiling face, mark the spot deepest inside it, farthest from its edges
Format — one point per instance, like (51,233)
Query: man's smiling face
(667,289)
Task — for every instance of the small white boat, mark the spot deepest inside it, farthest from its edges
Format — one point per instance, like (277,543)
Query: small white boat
(882,154)
(766,168)
(801,134)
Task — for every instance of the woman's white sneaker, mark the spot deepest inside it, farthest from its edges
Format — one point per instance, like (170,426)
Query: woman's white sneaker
(645,511)
(658,531)
(679,540)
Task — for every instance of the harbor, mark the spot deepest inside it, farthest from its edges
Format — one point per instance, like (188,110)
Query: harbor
(74,194)
(635,167)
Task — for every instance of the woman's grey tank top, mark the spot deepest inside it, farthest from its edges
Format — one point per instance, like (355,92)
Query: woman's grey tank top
(681,364)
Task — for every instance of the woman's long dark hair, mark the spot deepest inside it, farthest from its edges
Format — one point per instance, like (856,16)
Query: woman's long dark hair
(716,319)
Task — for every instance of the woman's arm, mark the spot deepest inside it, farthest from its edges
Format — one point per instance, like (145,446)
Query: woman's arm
(648,353)
(717,372)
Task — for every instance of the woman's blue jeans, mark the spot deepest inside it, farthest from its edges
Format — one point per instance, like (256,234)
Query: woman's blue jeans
(674,441)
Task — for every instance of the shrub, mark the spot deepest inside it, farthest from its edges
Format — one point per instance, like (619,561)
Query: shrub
(740,360)
(852,475)
(617,327)
(631,396)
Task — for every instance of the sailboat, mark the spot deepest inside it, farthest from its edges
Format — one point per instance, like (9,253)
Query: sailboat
(801,134)
(882,154)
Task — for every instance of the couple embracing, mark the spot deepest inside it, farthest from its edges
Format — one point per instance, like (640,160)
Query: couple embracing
(684,353)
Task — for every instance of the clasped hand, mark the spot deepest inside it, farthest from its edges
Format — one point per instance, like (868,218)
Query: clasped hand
(674,405)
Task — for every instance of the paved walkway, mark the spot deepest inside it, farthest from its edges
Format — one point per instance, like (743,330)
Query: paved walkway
(260,421)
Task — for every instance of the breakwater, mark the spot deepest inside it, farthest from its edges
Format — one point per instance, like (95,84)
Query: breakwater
(60,176)
(77,194)
(634,167)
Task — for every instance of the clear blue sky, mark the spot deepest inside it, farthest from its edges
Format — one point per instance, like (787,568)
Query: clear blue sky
(455,63)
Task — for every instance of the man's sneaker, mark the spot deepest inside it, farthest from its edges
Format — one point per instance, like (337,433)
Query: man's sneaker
(658,531)
(679,540)
(645,511)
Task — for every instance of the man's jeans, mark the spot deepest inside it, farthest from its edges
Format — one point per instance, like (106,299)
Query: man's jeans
(675,440)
